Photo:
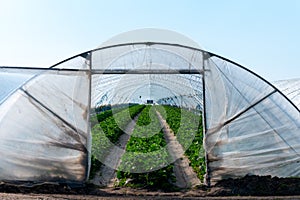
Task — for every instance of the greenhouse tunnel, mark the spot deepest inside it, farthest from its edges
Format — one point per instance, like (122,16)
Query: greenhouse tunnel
(250,126)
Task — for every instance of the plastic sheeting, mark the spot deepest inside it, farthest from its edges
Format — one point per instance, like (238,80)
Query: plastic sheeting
(291,88)
(250,126)
(44,129)
(182,89)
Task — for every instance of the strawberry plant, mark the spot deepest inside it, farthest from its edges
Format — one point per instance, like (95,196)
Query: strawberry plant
(145,152)
(187,126)
(107,132)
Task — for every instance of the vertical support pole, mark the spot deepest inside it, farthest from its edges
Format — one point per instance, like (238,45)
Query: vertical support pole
(205,56)
(89,136)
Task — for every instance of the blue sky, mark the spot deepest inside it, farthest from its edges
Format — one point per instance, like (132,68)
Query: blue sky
(262,35)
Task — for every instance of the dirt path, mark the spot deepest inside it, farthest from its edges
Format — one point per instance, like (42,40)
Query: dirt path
(155,196)
(248,187)
(106,176)
(185,175)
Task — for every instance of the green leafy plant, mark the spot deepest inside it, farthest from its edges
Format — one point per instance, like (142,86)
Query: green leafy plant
(145,150)
(187,126)
(107,132)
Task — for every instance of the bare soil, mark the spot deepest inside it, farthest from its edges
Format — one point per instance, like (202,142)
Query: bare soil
(185,175)
(254,187)
(248,187)
(106,176)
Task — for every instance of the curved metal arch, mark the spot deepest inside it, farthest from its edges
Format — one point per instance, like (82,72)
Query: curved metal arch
(210,54)
(184,77)
(177,45)
(88,53)
(134,83)
(41,70)
(129,84)
(141,86)
(165,79)
(255,74)
(171,80)
(84,54)
(182,46)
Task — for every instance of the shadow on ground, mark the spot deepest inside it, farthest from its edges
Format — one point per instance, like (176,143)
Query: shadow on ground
(247,186)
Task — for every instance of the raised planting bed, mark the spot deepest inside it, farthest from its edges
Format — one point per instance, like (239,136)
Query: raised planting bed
(107,132)
(145,162)
(187,126)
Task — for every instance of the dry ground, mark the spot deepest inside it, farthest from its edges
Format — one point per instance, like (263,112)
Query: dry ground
(249,187)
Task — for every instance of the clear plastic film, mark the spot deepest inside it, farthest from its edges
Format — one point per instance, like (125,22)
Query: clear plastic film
(44,128)
(250,126)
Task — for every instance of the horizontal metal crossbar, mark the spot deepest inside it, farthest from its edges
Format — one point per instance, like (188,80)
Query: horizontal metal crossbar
(147,71)
(36,70)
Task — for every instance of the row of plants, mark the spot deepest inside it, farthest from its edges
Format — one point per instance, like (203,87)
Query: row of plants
(108,112)
(145,151)
(146,160)
(107,132)
(187,126)
(99,117)
(114,126)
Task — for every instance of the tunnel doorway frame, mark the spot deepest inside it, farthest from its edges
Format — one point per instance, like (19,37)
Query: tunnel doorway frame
(88,56)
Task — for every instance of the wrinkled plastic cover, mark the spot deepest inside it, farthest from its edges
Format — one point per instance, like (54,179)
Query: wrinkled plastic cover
(251,127)
(291,88)
(175,89)
(44,128)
